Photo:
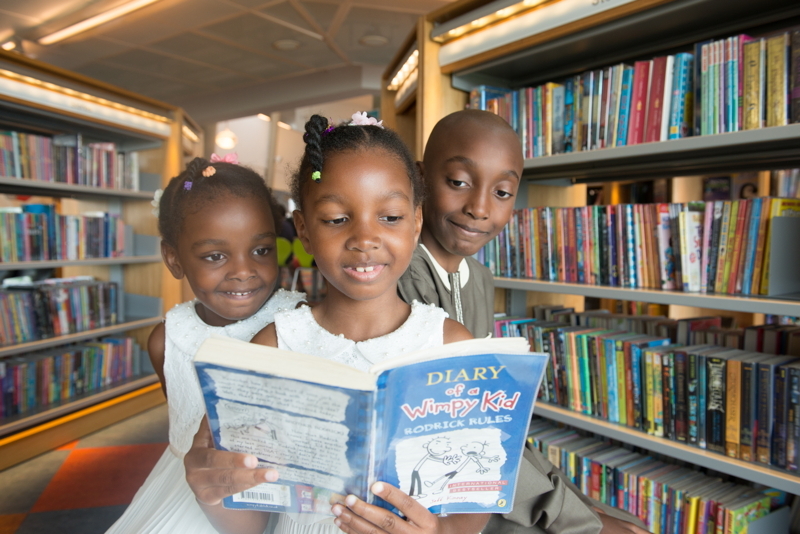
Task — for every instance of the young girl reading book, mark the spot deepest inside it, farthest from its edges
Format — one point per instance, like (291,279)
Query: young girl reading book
(217,230)
(359,198)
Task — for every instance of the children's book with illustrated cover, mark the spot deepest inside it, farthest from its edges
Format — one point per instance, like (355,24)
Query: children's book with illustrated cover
(446,425)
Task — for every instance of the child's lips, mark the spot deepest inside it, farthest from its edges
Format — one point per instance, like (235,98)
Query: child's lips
(468,230)
(241,294)
(364,273)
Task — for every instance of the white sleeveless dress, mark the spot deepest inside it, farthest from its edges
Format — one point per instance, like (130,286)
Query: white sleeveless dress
(298,331)
(165,504)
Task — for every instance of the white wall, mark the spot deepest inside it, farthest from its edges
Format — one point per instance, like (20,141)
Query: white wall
(253,145)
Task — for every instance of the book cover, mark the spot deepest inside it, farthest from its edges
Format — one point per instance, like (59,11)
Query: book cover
(642,72)
(655,100)
(780,207)
(777,80)
(765,415)
(700,87)
(453,442)
(794,78)
(666,104)
(753,96)
(680,120)
(624,106)
(558,135)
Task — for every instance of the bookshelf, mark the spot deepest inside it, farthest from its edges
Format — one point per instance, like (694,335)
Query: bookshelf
(43,100)
(561,38)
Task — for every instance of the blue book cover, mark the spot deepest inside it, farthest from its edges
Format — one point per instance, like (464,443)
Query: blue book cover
(630,246)
(681,96)
(446,425)
(625,106)
(752,239)
(569,114)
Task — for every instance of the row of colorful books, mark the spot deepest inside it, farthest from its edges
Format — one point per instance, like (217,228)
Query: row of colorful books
(56,307)
(36,232)
(728,85)
(668,498)
(67,159)
(630,371)
(48,378)
(785,183)
(721,246)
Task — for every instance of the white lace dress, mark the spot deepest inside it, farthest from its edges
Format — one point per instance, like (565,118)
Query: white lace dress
(298,331)
(165,503)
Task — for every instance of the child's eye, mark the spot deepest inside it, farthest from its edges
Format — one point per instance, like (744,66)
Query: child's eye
(457,183)
(336,221)
(392,218)
(263,251)
(214,257)
(503,194)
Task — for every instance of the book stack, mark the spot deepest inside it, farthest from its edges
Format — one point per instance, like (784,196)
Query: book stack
(36,232)
(709,247)
(45,379)
(56,307)
(67,159)
(648,374)
(727,85)
(668,498)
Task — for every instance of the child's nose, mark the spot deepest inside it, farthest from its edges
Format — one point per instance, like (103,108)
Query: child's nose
(365,237)
(477,206)
(241,269)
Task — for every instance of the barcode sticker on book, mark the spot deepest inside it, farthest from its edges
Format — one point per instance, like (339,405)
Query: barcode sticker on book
(275,494)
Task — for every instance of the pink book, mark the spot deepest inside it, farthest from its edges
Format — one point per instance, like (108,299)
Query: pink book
(641,78)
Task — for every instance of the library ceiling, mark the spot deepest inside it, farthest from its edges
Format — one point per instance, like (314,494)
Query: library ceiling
(201,54)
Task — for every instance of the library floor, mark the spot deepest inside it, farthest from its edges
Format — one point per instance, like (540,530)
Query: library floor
(84,486)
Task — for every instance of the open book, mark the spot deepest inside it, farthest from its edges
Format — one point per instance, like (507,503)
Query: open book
(446,425)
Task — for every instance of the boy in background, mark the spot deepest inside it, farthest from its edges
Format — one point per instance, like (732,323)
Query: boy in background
(472,168)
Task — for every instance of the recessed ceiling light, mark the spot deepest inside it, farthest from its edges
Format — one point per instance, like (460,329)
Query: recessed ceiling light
(286,44)
(265,118)
(226,139)
(9,45)
(97,20)
(373,40)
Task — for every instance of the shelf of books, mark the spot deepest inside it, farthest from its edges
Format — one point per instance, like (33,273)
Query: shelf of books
(753,472)
(82,279)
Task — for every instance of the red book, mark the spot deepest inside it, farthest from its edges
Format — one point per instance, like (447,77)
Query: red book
(742,217)
(652,130)
(641,83)
(597,473)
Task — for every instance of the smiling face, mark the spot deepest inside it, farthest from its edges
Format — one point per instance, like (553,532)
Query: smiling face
(226,250)
(438,446)
(360,223)
(472,175)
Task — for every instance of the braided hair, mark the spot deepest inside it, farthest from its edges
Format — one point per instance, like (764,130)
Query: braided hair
(196,187)
(324,140)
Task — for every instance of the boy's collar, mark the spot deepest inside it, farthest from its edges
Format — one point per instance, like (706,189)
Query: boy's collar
(463,270)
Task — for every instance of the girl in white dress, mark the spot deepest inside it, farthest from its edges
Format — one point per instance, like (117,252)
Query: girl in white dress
(359,197)
(217,230)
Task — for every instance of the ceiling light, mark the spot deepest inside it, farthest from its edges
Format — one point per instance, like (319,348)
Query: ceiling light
(187,132)
(500,15)
(403,73)
(286,45)
(373,40)
(97,20)
(226,139)
(265,118)
(284,125)
(8,45)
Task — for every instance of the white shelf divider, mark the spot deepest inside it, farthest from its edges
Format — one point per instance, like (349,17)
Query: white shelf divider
(48,264)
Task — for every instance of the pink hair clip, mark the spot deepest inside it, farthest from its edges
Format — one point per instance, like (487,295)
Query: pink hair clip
(360,118)
(227,158)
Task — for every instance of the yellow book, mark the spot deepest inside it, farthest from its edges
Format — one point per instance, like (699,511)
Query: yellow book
(777,79)
(622,400)
(752,91)
(733,402)
(692,504)
(728,256)
(648,390)
(658,399)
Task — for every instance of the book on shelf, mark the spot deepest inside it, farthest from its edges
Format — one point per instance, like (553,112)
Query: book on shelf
(687,380)
(453,441)
(35,232)
(44,379)
(67,159)
(31,311)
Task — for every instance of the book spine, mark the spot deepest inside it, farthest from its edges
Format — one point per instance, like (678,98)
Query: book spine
(733,401)
(681,402)
(691,397)
(777,82)
(794,80)
(746,412)
(715,411)
(749,256)
(763,429)
(635,416)
(624,107)
(655,101)
(751,104)
(666,106)
(641,84)
(667,392)
(779,434)
(792,423)
(681,97)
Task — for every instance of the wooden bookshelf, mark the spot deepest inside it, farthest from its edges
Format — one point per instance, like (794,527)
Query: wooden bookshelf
(513,55)
(127,326)
(754,472)
(770,305)
(52,264)
(39,99)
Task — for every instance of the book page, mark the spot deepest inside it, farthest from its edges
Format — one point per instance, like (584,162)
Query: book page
(314,435)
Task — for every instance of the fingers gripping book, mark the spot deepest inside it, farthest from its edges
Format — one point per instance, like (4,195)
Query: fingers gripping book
(446,425)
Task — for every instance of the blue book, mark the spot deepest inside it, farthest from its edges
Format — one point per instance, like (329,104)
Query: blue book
(630,245)
(681,91)
(479,96)
(569,114)
(446,425)
(625,106)
(752,239)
